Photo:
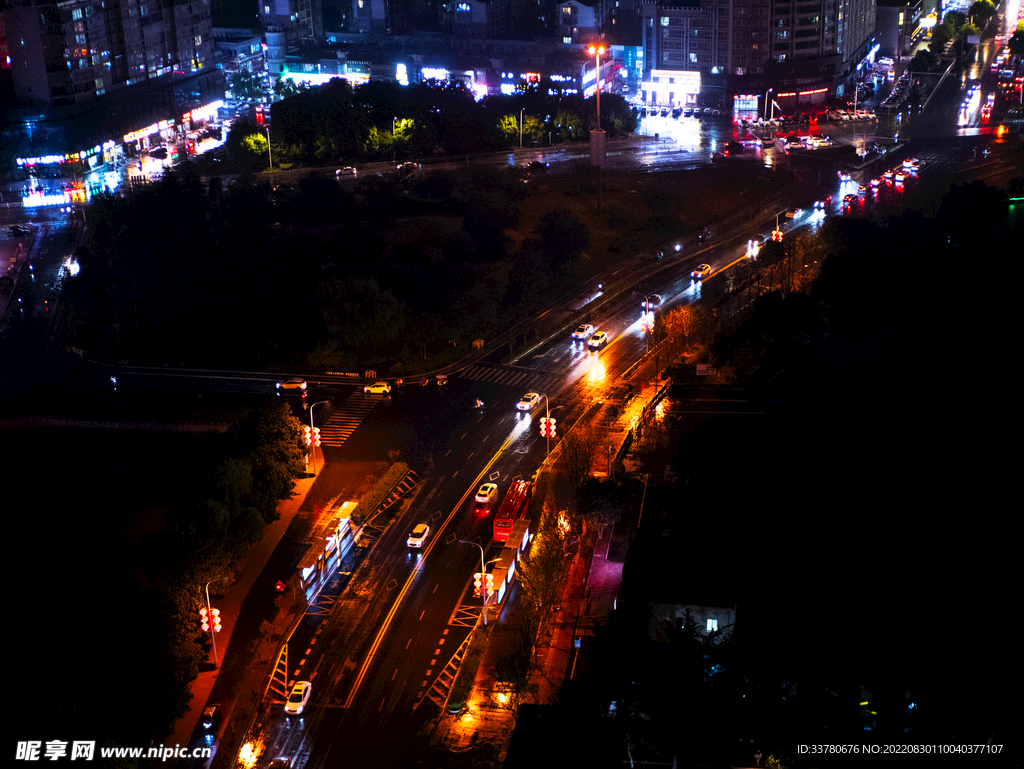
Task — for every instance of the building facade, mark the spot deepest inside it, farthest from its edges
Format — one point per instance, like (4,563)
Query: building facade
(70,52)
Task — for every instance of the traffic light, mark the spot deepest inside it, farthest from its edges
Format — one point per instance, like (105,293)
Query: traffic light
(777,236)
(307,436)
(210,620)
(316,436)
(483,583)
(547,427)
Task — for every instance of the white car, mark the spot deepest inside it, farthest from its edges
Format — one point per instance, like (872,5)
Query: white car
(597,340)
(377,388)
(298,698)
(585,331)
(292,384)
(418,535)
(528,401)
(345,171)
(410,166)
(486,493)
(702,271)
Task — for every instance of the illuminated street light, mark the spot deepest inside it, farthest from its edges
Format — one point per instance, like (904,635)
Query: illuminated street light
(270,155)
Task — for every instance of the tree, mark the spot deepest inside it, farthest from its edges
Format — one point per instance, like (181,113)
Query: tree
(924,61)
(941,35)
(271,438)
(246,85)
(360,314)
(246,144)
(980,12)
(562,236)
(1016,41)
(578,448)
(600,502)
(286,86)
(540,575)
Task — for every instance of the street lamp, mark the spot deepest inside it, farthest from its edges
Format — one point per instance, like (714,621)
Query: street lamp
(521,127)
(393,149)
(209,610)
(765,117)
(312,448)
(270,155)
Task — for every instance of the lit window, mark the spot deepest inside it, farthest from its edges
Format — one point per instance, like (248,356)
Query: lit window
(712,625)
(664,21)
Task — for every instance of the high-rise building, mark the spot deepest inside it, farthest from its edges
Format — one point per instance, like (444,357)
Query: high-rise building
(66,52)
(302,20)
(805,50)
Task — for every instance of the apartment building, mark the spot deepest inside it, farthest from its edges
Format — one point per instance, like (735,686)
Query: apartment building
(73,51)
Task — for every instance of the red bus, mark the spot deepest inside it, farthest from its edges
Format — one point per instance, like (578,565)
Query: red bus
(513,506)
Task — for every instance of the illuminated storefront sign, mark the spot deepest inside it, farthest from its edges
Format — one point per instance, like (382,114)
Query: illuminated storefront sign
(434,73)
(669,86)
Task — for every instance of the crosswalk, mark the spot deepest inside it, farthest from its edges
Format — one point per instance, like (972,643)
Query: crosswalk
(513,377)
(347,416)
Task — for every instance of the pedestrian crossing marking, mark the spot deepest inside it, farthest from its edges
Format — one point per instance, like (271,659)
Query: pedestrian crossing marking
(347,417)
(508,377)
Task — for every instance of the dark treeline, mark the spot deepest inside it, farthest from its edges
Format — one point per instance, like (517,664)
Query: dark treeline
(315,274)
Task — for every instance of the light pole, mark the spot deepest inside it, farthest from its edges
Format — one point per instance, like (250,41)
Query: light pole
(312,433)
(765,117)
(393,149)
(209,610)
(596,51)
(521,127)
(270,155)
(483,570)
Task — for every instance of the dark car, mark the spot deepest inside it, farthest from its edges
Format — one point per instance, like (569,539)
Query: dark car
(17,231)
(211,716)
(537,167)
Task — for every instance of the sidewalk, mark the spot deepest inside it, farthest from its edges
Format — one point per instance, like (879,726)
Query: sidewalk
(230,605)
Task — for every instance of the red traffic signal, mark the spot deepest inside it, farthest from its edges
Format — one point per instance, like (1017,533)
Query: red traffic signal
(547,427)
(777,236)
(316,436)
(210,619)
(307,436)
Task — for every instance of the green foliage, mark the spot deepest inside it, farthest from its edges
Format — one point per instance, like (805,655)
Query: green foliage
(271,438)
(1016,41)
(954,20)
(981,11)
(562,236)
(941,34)
(246,144)
(924,61)
(360,314)
(285,87)
(246,85)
